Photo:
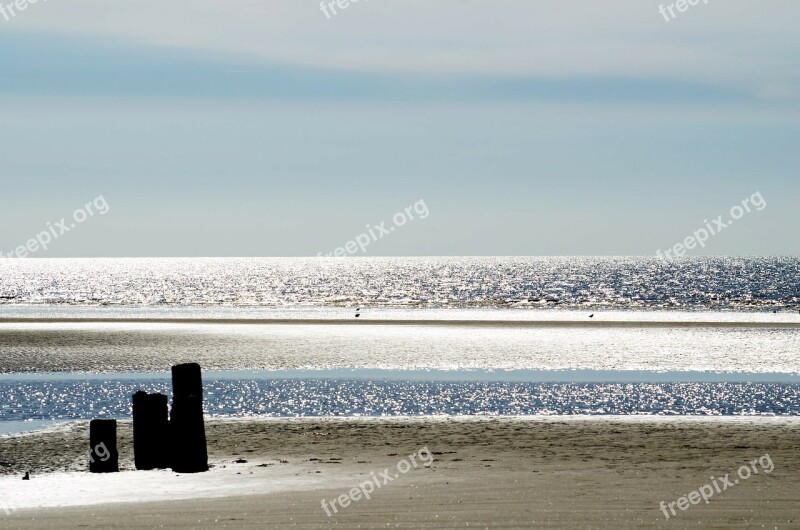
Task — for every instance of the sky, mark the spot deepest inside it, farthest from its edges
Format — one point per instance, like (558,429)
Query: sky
(266,128)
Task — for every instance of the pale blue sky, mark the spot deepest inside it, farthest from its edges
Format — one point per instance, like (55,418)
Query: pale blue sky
(263,128)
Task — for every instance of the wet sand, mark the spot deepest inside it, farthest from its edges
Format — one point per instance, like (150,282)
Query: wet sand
(491,472)
(399,345)
(496,323)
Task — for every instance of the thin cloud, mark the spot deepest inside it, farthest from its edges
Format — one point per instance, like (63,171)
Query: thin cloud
(729,43)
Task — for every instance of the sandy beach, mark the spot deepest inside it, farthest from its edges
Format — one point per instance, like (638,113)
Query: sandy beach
(542,472)
(414,265)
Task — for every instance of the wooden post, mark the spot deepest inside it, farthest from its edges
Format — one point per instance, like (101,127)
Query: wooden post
(150,431)
(187,380)
(103,455)
(188,434)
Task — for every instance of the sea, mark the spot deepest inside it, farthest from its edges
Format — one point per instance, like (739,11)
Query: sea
(427,336)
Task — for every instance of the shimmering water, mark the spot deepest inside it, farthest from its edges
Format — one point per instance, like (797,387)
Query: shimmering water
(605,316)
(612,283)
(87,399)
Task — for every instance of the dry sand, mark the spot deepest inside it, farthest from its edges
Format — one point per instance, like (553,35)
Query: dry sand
(490,472)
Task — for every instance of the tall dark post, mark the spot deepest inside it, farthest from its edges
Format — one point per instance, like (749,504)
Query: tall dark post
(151,444)
(103,455)
(188,433)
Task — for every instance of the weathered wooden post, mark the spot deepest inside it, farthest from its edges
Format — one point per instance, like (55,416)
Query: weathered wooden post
(103,455)
(188,433)
(151,443)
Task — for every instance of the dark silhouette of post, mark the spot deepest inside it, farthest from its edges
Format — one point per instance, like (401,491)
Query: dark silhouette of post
(151,445)
(103,455)
(188,433)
